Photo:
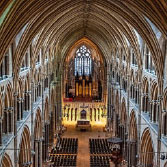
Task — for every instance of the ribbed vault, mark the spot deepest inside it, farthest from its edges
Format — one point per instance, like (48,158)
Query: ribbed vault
(107,23)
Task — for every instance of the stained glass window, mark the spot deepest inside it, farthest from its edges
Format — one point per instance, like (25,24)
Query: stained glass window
(83,61)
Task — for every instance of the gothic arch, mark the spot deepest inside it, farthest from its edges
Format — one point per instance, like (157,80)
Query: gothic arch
(164,115)
(38,139)
(6,161)
(27,83)
(7,110)
(20,88)
(47,129)
(154,104)
(9,95)
(25,148)
(133,126)
(53,117)
(145,97)
(147,151)
(38,125)
(27,94)
(117,102)
(154,90)
(133,138)
(123,112)
(1,106)
(46,110)
(145,85)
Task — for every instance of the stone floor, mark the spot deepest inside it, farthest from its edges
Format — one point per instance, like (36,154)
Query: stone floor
(83,156)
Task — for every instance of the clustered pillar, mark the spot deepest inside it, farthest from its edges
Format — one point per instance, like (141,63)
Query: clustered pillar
(46,142)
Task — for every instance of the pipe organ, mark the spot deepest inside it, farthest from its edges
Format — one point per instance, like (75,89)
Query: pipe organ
(83,87)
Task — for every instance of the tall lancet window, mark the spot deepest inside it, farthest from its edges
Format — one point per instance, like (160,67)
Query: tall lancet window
(83,61)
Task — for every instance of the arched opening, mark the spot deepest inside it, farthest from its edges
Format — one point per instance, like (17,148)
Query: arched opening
(25,149)
(164,118)
(154,103)
(45,146)
(20,100)
(53,117)
(147,152)
(38,140)
(6,161)
(132,143)
(84,83)
(7,114)
(145,97)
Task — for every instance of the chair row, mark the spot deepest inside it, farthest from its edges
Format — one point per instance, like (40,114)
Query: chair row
(66,146)
(63,160)
(99,161)
(99,146)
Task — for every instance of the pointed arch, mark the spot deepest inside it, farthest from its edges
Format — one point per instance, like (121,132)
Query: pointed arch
(133,126)
(46,110)
(25,149)
(37,139)
(147,151)
(133,139)
(123,112)
(6,161)
(164,115)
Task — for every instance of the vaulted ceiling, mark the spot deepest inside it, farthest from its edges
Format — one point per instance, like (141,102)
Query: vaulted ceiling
(108,23)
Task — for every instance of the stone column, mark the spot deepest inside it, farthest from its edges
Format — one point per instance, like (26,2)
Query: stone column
(138,140)
(31,97)
(143,102)
(133,153)
(10,119)
(136,97)
(5,121)
(22,108)
(95,115)
(157,111)
(29,100)
(40,153)
(0,132)
(15,121)
(25,101)
(160,99)
(18,109)
(36,152)
(47,144)
(151,109)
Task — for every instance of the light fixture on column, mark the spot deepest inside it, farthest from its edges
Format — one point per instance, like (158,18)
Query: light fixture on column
(26,164)
(124,162)
(162,157)
(32,152)
(164,111)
